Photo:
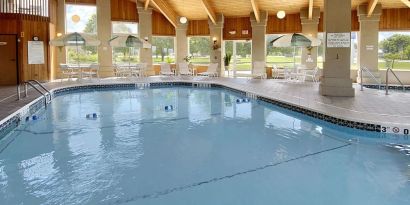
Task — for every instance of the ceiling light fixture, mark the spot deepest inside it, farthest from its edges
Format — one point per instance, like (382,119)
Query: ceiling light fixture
(183,20)
(75,18)
(281,14)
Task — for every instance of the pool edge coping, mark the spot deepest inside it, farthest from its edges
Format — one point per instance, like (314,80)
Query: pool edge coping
(13,120)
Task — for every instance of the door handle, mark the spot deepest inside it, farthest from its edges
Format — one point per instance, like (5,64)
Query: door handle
(12,59)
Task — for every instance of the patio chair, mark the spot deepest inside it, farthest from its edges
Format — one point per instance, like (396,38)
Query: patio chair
(212,70)
(92,71)
(258,70)
(311,74)
(184,69)
(278,73)
(121,71)
(166,69)
(68,72)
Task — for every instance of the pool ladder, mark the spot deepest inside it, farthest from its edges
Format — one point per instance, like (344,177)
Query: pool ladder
(371,75)
(32,83)
(379,82)
(387,80)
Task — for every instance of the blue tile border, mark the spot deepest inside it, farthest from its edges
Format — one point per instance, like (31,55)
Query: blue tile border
(15,120)
(391,87)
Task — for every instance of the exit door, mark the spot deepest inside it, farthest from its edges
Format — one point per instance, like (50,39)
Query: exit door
(8,60)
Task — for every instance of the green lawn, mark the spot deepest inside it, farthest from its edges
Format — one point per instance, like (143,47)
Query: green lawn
(245,63)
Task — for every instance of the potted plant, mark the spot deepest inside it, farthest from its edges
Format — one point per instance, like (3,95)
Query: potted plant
(227,60)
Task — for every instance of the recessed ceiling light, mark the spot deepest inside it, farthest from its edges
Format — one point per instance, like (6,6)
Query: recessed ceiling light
(281,14)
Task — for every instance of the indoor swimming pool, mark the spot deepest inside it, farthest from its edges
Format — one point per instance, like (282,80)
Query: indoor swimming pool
(186,145)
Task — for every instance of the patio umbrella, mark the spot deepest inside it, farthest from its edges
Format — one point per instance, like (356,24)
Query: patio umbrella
(128,41)
(295,40)
(75,39)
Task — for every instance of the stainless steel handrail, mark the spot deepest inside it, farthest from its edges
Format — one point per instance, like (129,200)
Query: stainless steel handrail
(387,80)
(33,84)
(371,74)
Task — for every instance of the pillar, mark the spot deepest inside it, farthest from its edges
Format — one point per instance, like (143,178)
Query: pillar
(60,29)
(368,41)
(145,32)
(310,28)
(258,37)
(216,33)
(104,35)
(336,67)
(181,49)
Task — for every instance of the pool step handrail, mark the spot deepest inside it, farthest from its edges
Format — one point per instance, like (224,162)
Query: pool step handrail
(371,75)
(387,80)
(43,91)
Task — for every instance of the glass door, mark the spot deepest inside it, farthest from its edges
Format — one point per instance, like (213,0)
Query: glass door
(241,61)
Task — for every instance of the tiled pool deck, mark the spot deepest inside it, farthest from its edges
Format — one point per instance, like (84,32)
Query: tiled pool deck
(369,106)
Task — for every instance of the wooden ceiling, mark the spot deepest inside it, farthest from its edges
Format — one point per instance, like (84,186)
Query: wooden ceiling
(195,10)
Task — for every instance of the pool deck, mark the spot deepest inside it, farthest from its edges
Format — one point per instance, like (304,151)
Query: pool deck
(368,106)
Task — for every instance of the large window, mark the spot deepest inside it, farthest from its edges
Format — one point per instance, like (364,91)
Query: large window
(121,55)
(241,61)
(87,23)
(200,49)
(163,49)
(281,56)
(394,47)
(353,50)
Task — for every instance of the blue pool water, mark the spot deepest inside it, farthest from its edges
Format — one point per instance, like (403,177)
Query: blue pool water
(207,150)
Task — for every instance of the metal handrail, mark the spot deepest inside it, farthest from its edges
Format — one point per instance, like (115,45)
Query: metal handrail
(33,84)
(371,74)
(387,80)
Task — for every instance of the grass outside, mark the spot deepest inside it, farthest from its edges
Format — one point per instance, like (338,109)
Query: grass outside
(281,61)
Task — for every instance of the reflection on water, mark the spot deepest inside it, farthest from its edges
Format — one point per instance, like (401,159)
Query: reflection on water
(208,145)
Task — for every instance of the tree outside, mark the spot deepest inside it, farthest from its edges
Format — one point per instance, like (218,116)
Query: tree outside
(85,54)
(395,48)
(163,49)
(200,49)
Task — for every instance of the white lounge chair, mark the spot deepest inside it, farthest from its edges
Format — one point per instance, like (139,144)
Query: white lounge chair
(166,69)
(259,70)
(184,69)
(212,70)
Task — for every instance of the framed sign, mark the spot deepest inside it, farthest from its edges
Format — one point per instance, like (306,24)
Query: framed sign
(35,52)
(338,40)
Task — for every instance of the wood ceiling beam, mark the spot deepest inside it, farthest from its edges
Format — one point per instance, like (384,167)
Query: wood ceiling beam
(209,11)
(407,2)
(256,10)
(146,5)
(310,9)
(166,10)
(370,7)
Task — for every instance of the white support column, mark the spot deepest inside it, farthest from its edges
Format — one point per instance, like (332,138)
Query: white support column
(310,28)
(104,35)
(145,32)
(336,67)
(181,49)
(368,41)
(259,37)
(216,32)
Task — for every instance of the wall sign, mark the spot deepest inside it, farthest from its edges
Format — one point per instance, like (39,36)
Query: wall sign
(369,47)
(35,52)
(3,43)
(338,40)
